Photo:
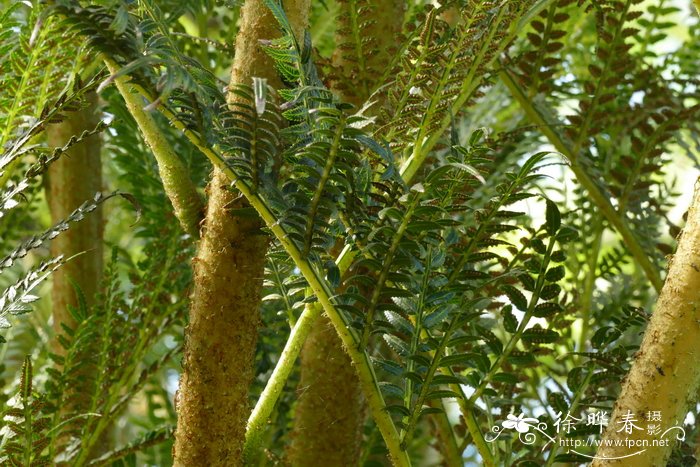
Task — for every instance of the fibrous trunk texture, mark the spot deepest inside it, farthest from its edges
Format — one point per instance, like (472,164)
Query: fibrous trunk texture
(330,413)
(73,179)
(664,377)
(212,401)
(331,409)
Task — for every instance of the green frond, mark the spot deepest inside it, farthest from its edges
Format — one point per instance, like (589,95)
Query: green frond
(283,288)
(22,143)
(17,298)
(151,438)
(38,240)
(442,72)
(38,62)
(25,424)
(541,64)
(123,333)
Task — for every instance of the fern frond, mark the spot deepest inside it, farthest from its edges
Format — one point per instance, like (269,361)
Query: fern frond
(70,100)
(542,63)
(440,76)
(547,123)
(283,286)
(601,92)
(17,298)
(249,138)
(428,326)
(25,422)
(151,438)
(654,26)
(76,216)
(121,332)
(9,196)
(32,71)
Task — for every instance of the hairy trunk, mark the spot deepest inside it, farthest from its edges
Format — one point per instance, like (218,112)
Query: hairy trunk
(73,179)
(331,411)
(665,375)
(212,401)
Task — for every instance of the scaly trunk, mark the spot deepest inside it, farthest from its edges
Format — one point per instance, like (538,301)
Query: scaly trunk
(218,364)
(73,179)
(330,414)
(665,374)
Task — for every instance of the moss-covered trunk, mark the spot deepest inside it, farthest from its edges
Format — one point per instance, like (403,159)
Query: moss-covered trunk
(73,179)
(330,414)
(218,365)
(665,374)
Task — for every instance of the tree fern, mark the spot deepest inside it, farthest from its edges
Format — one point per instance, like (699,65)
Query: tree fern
(470,274)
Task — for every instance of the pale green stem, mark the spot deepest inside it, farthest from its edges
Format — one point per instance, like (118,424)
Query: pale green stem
(178,186)
(275,385)
(589,283)
(473,427)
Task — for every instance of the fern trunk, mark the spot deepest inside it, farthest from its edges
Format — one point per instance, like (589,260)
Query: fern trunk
(665,375)
(73,179)
(366,35)
(218,364)
(330,414)
(331,408)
